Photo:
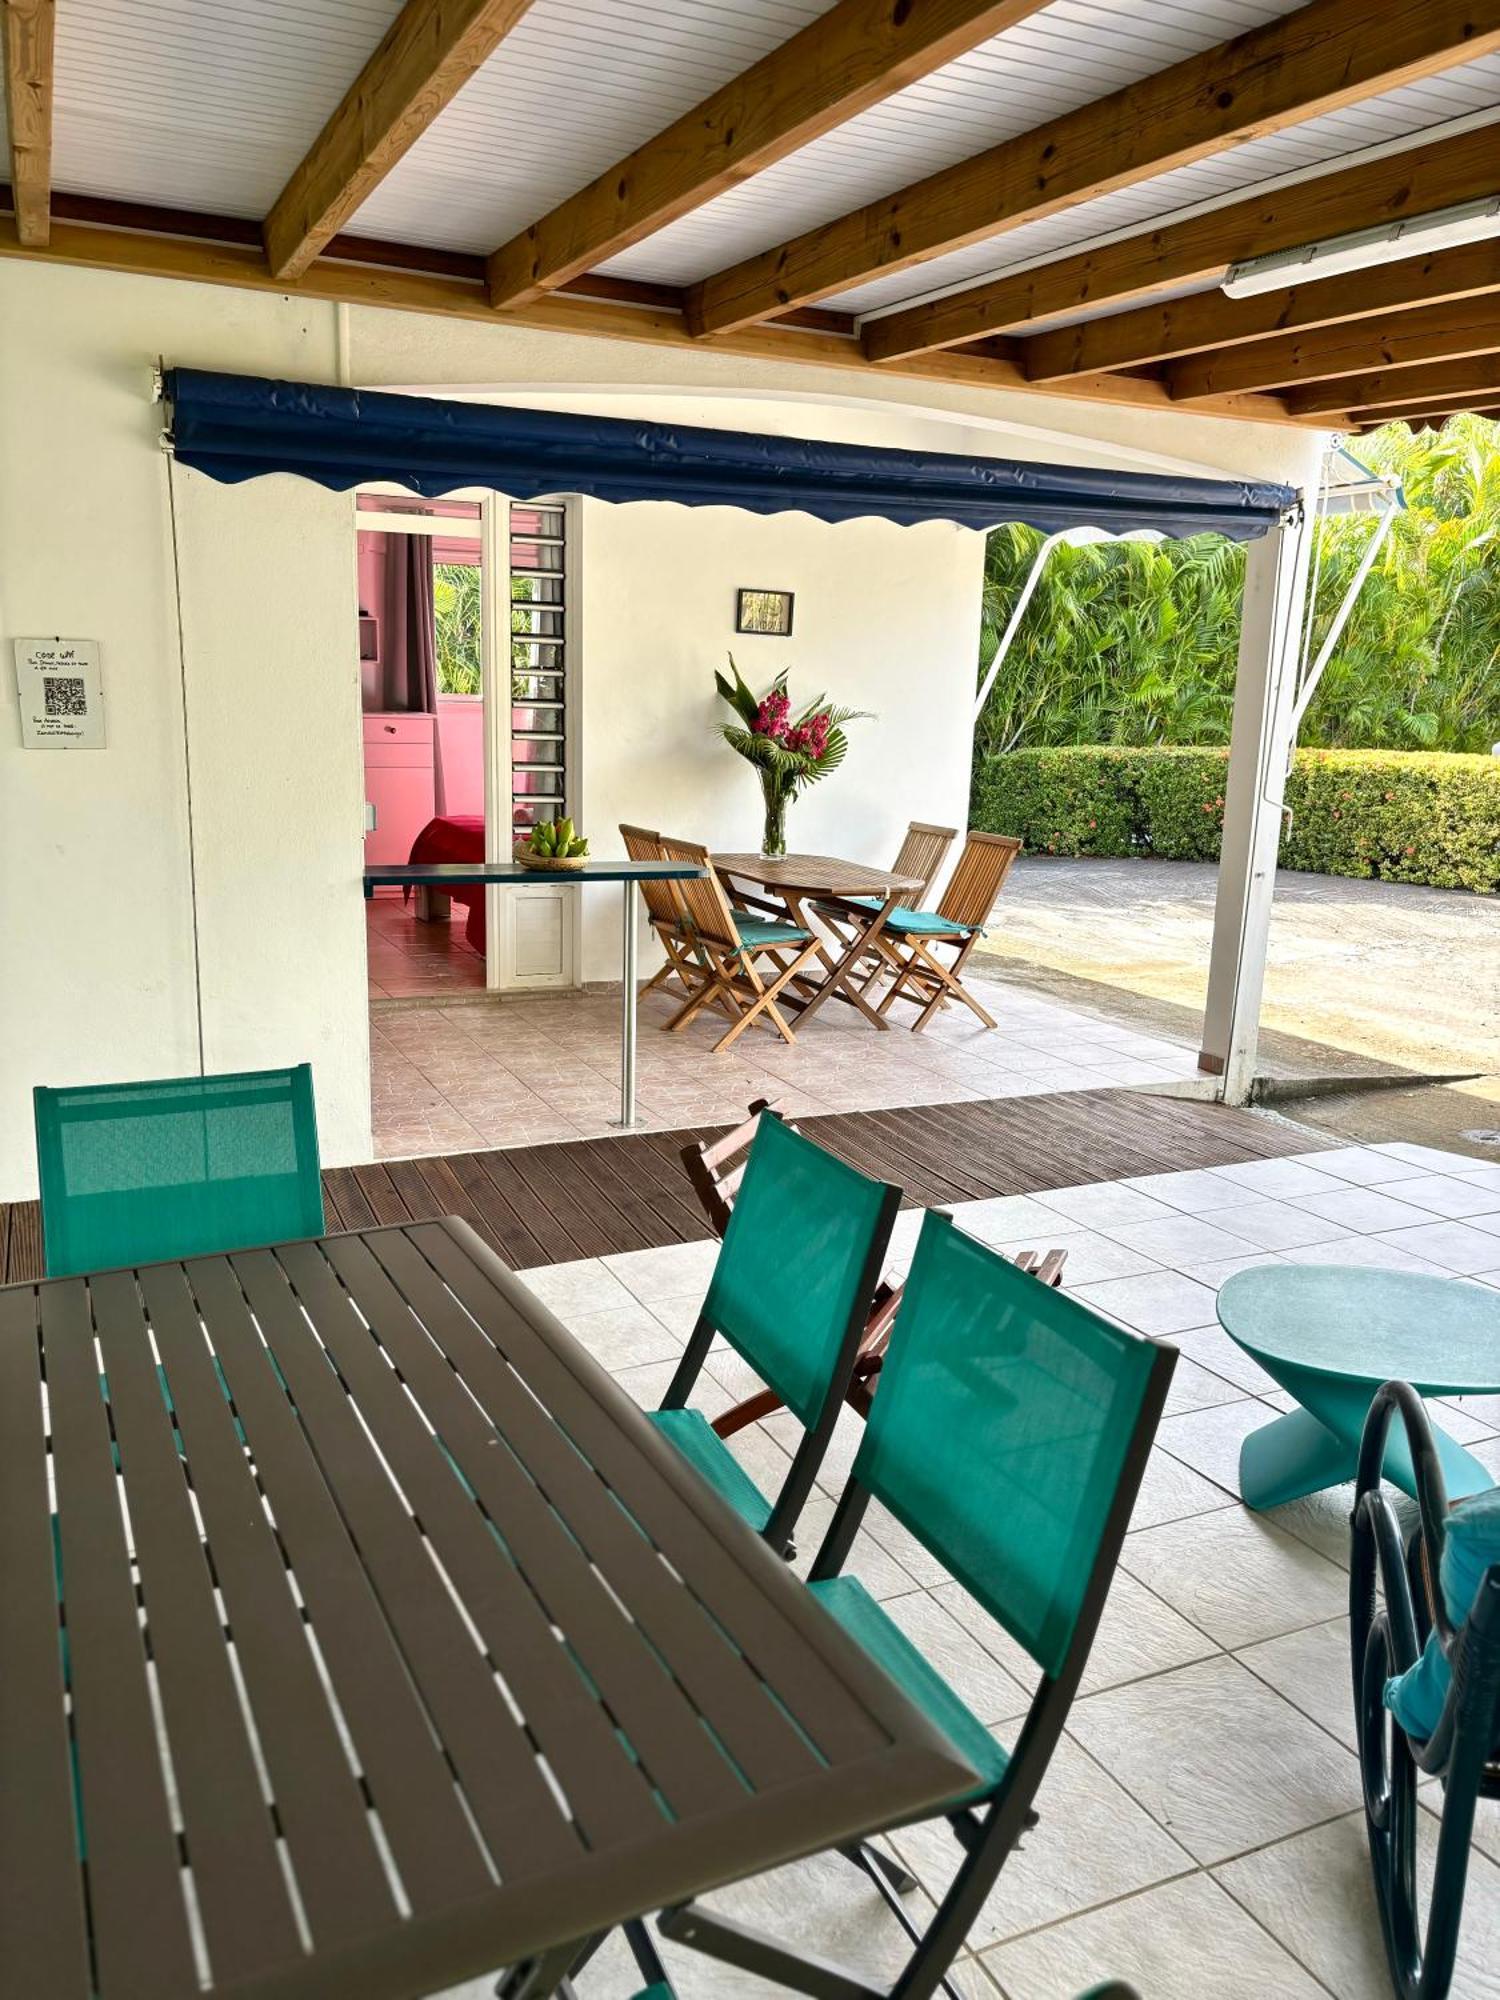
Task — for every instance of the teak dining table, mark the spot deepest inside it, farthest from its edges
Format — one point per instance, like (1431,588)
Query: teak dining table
(797,882)
(360,1636)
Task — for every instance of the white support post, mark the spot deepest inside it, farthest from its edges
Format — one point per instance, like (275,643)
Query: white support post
(1261,740)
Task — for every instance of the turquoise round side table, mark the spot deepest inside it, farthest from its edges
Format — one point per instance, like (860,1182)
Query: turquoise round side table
(1330,1334)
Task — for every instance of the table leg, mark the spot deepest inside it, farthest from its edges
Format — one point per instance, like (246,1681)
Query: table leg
(1297,1455)
(837,979)
(627,1009)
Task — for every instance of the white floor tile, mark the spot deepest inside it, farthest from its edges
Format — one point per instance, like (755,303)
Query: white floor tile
(1103,1205)
(1315,1891)
(1364,1208)
(1363,1166)
(1180,1239)
(1209,1440)
(1278,1180)
(1312,1669)
(1196,1191)
(1093,1843)
(1451,1195)
(1235,1576)
(1186,1940)
(1217,1758)
(1459,1247)
(1280,1225)
(1158,1302)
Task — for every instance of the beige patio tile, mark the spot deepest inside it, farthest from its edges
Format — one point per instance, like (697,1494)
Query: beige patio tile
(1311,1668)
(1315,1891)
(1235,1576)
(1217,1758)
(1185,1940)
(1093,1843)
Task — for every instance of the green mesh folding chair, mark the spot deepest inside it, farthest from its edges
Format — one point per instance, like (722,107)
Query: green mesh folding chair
(1008,1434)
(136,1173)
(791,1293)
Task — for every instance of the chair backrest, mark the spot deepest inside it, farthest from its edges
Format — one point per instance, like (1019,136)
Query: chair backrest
(921,855)
(135,1173)
(978,878)
(701,900)
(641,845)
(800,1260)
(1004,1433)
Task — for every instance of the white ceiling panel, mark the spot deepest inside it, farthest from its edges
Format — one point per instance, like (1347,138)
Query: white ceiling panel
(575,86)
(1473,88)
(202,103)
(1066,55)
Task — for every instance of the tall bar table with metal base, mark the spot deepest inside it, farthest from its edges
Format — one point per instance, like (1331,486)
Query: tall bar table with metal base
(440,876)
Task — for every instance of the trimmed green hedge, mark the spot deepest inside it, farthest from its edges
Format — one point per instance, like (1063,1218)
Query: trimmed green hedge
(1401,816)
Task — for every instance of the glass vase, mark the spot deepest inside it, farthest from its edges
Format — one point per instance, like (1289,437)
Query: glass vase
(773,838)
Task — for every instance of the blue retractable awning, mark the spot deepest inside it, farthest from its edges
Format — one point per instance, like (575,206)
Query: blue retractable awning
(235,427)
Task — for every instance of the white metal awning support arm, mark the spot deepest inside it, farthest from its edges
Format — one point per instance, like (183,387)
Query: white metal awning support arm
(1013,623)
(1335,631)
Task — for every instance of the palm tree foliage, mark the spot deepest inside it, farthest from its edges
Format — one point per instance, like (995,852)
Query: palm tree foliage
(1135,643)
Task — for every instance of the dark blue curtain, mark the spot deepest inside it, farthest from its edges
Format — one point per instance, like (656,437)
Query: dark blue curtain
(235,427)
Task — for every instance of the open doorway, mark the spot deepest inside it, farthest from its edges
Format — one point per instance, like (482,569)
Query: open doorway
(421,626)
(443,783)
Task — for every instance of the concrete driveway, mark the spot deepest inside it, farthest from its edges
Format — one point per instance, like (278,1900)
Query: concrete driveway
(1405,975)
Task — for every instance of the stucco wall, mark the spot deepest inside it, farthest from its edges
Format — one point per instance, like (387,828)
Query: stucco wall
(96,929)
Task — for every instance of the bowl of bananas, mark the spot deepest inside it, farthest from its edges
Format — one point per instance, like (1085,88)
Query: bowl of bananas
(554,847)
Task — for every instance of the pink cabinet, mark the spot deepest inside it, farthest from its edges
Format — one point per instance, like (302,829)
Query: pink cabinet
(398,781)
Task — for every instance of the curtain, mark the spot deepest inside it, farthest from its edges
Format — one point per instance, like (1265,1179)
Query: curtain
(408,641)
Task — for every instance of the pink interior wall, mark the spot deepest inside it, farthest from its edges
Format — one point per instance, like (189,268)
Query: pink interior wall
(460,717)
(461,730)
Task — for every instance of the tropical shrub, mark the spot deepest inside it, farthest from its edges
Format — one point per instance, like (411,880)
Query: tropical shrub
(1131,643)
(1402,817)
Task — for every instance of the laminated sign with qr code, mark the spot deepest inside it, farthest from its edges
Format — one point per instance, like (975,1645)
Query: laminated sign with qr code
(62,697)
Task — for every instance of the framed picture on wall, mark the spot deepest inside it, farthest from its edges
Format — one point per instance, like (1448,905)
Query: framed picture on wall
(768,612)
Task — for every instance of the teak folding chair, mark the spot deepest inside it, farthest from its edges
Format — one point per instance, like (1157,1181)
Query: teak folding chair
(727,944)
(909,941)
(791,1293)
(136,1173)
(715,1169)
(1010,1435)
(1435,1624)
(663,915)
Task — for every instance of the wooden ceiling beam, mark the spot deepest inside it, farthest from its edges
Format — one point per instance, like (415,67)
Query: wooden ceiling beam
(850,58)
(1149,335)
(1446,332)
(28,57)
(424,59)
(143,253)
(1464,382)
(1418,418)
(1201,247)
(1328,54)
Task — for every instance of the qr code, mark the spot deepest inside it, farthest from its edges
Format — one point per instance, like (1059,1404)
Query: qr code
(64,694)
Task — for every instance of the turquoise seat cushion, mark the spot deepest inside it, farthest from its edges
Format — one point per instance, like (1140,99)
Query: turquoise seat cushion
(768,930)
(925,923)
(703,1448)
(888,1646)
(1470,1547)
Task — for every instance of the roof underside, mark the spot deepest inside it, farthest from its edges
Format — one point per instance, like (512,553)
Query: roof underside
(210,106)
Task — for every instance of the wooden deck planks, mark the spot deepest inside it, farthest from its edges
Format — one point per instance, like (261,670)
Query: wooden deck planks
(590,1197)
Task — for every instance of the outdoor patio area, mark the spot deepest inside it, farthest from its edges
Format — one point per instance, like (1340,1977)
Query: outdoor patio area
(1200,1828)
(527,1069)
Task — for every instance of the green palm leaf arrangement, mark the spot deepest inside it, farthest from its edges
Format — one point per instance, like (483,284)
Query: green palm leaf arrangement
(788,751)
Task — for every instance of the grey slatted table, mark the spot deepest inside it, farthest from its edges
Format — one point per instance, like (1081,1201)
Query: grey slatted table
(442,875)
(354,1610)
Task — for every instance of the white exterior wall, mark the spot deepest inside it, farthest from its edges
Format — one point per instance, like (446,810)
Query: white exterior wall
(96,932)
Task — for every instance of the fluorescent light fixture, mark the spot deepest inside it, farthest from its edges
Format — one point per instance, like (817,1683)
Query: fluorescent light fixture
(1416,235)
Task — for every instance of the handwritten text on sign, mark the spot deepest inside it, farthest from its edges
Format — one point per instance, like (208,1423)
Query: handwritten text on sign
(62,696)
